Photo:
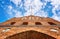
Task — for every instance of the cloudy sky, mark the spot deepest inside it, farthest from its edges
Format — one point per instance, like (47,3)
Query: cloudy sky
(20,8)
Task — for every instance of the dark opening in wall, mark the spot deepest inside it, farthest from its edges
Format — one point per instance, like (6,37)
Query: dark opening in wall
(51,23)
(58,27)
(12,23)
(30,35)
(38,23)
(25,23)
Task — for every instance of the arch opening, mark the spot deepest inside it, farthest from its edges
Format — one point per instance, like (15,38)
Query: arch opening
(30,35)
(25,23)
(38,23)
(12,23)
(51,23)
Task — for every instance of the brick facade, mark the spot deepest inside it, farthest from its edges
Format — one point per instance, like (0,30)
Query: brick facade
(25,27)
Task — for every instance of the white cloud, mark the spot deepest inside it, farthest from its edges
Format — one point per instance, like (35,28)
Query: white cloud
(34,7)
(16,1)
(18,14)
(56,17)
(56,4)
(10,7)
(42,14)
(15,14)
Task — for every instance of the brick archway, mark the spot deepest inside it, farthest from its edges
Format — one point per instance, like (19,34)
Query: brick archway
(31,34)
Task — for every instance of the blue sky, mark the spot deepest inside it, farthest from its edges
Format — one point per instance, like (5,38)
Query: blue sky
(20,8)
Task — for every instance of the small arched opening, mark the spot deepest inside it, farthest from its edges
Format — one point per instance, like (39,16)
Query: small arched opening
(51,23)
(25,23)
(38,23)
(12,23)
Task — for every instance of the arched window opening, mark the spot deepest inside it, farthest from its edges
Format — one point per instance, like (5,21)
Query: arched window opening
(25,23)
(12,23)
(51,23)
(38,23)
